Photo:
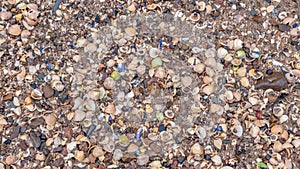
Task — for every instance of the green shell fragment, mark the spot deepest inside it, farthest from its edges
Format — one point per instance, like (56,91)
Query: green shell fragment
(240,54)
(262,165)
(160,116)
(156,62)
(115,75)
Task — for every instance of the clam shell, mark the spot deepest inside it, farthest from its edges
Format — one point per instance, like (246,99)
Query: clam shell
(237,44)
(5,15)
(57,85)
(110,109)
(236,62)
(277,129)
(154,52)
(278,111)
(208,90)
(109,83)
(14,30)
(36,94)
(237,130)
(201,5)
(197,149)
(222,52)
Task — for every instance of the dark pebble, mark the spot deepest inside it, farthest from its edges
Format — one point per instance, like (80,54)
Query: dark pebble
(15,132)
(298,48)
(253,12)
(275,81)
(23,145)
(161,128)
(63,98)
(97,19)
(8,141)
(165,164)
(36,141)
(90,130)
(284,28)
(33,86)
(56,93)
(269,71)
(181,159)
(207,157)
(294,43)
(268,157)
(41,76)
(43,137)
(263,128)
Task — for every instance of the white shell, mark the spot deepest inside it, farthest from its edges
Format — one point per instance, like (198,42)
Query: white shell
(154,52)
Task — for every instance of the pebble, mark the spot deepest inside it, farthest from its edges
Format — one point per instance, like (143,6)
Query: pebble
(109,83)
(98,152)
(284,28)
(132,148)
(50,119)
(275,81)
(11,159)
(36,141)
(48,92)
(79,115)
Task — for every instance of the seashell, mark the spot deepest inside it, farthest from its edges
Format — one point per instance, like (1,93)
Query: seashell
(228,58)
(152,6)
(130,31)
(277,129)
(254,131)
(32,7)
(109,147)
(79,115)
(296,143)
(110,109)
(169,114)
(199,68)
(222,52)
(94,94)
(57,85)
(237,44)
(196,50)
(201,133)
(33,14)
(208,90)
(197,149)
(153,136)
(211,62)
(216,160)
(165,136)
(36,94)
(273,137)
(154,52)
(81,42)
(87,122)
(277,147)
(240,54)
(79,155)
(155,164)
(142,159)
(288,20)
(194,17)
(201,5)
(30,107)
(109,83)
(27,26)
(283,119)
(14,30)
(210,52)
(296,65)
(285,135)
(98,152)
(132,148)
(218,144)
(193,61)
(237,130)
(278,111)
(241,72)
(5,15)
(257,75)
(124,49)
(236,62)
(245,82)
(90,48)
(229,95)
(282,15)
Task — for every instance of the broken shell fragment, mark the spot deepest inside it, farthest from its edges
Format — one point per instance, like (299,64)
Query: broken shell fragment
(14,30)
(36,94)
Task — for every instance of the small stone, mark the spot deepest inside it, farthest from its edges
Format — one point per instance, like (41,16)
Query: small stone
(222,52)
(50,119)
(186,81)
(296,143)
(36,141)
(245,82)
(275,81)
(14,30)
(126,158)
(130,31)
(284,28)
(8,97)
(199,68)
(197,149)
(118,154)
(47,91)
(208,90)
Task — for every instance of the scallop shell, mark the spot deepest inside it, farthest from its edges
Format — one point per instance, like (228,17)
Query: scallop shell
(36,94)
